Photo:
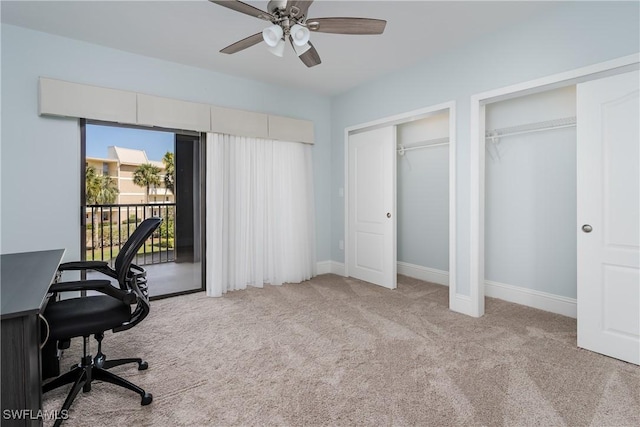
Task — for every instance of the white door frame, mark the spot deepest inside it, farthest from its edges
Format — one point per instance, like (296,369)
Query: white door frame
(475,305)
(410,116)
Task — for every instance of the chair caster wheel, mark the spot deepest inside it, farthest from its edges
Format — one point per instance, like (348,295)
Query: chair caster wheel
(99,361)
(142,366)
(146,399)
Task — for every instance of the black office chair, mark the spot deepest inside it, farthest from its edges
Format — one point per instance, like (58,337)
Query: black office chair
(95,314)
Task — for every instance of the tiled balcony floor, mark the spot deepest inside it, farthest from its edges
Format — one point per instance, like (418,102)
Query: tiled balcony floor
(168,278)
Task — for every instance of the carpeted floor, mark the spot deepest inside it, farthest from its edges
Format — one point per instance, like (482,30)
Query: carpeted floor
(338,351)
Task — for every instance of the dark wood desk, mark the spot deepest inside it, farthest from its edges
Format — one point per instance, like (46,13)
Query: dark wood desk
(25,280)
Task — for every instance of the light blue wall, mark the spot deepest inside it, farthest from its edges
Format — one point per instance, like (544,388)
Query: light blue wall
(423,194)
(40,196)
(40,157)
(531,196)
(576,35)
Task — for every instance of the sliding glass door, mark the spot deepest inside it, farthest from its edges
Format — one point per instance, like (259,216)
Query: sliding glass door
(131,173)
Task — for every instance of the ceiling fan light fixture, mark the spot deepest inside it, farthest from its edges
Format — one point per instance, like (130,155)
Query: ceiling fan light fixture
(278,49)
(289,21)
(299,35)
(272,35)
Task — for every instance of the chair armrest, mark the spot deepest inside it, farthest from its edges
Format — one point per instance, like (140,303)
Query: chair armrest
(99,266)
(102,286)
(82,265)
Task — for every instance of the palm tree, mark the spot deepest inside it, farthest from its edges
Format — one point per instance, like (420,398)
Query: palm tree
(99,190)
(146,175)
(108,191)
(92,187)
(170,170)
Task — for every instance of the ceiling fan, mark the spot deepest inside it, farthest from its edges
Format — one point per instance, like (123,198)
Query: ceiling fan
(289,21)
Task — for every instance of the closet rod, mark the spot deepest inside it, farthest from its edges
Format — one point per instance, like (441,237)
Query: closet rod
(532,127)
(425,144)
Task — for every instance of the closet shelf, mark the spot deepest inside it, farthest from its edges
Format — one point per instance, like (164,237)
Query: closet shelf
(429,143)
(531,127)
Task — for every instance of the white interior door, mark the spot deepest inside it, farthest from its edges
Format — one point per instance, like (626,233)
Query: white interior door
(609,216)
(371,243)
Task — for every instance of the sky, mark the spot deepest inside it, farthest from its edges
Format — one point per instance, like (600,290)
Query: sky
(154,143)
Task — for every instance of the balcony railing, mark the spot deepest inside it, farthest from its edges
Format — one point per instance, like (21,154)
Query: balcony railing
(109,226)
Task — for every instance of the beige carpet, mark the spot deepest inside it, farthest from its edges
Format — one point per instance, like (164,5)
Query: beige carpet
(337,351)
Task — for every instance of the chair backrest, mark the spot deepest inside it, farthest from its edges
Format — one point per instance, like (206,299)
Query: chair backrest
(129,250)
(132,277)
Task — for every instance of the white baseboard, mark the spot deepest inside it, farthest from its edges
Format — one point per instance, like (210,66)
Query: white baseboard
(323,267)
(427,274)
(531,298)
(327,267)
(516,294)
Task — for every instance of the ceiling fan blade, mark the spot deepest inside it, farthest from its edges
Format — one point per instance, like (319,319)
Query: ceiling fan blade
(243,44)
(347,25)
(247,9)
(310,57)
(302,7)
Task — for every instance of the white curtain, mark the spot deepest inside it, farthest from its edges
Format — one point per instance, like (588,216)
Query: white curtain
(260,213)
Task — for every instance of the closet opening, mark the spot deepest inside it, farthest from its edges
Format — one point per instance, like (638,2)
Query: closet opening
(607,203)
(561,203)
(423,198)
(400,198)
(472,298)
(530,200)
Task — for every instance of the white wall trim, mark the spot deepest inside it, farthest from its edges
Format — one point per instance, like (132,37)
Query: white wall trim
(323,267)
(397,119)
(516,294)
(338,268)
(427,274)
(330,267)
(532,298)
(453,260)
(477,150)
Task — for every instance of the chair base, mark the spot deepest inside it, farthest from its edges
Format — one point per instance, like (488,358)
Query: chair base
(101,359)
(86,372)
(101,362)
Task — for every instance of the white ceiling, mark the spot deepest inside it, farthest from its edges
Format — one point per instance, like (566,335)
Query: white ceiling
(192,33)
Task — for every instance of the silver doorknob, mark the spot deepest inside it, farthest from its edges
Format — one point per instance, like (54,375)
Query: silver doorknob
(388,214)
(587,228)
